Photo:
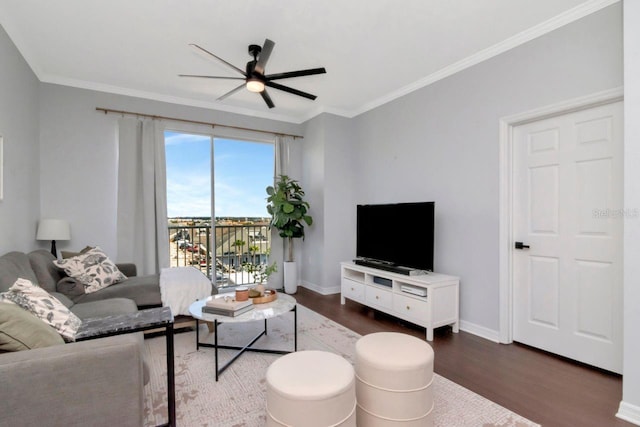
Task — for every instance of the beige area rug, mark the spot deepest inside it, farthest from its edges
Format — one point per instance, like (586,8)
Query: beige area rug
(238,398)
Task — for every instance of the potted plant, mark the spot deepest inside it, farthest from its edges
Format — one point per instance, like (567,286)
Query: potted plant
(285,203)
(260,273)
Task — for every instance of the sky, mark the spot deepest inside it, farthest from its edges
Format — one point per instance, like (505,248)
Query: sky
(242,171)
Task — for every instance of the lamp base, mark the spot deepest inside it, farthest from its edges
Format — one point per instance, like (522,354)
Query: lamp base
(54,251)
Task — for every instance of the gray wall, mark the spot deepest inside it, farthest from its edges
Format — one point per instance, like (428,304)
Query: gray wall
(313,177)
(20,209)
(441,143)
(328,160)
(339,177)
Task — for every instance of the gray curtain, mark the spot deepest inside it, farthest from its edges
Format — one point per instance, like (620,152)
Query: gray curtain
(142,227)
(281,156)
(281,167)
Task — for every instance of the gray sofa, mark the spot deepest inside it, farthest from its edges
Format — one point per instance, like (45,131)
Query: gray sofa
(88,383)
(97,382)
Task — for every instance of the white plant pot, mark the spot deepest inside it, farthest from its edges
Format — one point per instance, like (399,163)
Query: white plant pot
(290,277)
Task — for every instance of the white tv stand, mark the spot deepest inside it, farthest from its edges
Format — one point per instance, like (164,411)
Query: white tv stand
(383,291)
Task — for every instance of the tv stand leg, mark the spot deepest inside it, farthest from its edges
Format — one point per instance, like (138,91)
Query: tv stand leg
(342,301)
(429,334)
(455,327)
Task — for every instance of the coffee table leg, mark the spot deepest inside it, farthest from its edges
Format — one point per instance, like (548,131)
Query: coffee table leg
(171,384)
(295,328)
(197,335)
(265,326)
(215,344)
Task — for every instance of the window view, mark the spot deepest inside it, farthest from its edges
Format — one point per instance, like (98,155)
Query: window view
(226,177)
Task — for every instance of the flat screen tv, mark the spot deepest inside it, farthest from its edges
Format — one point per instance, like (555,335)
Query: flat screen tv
(397,234)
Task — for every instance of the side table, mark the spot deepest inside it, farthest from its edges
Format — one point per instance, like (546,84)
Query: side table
(143,320)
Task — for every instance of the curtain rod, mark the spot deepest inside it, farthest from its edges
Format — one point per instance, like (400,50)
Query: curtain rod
(107,110)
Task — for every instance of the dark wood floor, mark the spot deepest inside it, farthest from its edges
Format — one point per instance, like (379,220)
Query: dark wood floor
(544,388)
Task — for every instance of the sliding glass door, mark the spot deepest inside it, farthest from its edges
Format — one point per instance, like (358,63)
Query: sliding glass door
(226,177)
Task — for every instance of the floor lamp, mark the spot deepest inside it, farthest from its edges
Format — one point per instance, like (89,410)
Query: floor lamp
(53,229)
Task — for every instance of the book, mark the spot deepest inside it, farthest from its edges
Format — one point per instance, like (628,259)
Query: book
(224,312)
(227,303)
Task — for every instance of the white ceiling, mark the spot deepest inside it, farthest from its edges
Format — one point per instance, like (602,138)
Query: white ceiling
(373,50)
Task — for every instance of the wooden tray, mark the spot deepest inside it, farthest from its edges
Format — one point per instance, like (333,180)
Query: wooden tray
(266,298)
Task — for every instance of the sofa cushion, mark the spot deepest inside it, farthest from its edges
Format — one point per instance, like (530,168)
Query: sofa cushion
(45,306)
(62,298)
(15,265)
(93,269)
(21,330)
(70,287)
(47,274)
(129,269)
(105,307)
(144,290)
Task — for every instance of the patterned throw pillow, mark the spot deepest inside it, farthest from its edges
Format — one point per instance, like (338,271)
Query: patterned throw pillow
(45,306)
(93,269)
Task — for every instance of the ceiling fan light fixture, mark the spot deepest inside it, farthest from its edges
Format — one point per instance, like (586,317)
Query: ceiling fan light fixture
(255,77)
(255,85)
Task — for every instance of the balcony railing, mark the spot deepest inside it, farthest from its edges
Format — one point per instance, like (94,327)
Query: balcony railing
(234,245)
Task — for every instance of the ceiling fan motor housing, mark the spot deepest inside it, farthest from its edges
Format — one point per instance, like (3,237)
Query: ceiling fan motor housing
(254,50)
(251,65)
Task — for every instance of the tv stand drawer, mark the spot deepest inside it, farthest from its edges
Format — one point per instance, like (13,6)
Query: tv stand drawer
(411,309)
(378,297)
(352,289)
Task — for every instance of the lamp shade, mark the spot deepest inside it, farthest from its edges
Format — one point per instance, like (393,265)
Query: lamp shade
(53,229)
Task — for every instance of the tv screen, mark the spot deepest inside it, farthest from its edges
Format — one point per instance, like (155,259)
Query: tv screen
(401,234)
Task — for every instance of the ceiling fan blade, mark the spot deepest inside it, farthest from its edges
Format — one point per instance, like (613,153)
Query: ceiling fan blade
(211,77)
(200,50)
(264,56)
(300,73)
(231,92)
(267,99)
(290,90)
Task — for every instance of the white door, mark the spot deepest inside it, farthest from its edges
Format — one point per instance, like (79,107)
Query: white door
(568,210)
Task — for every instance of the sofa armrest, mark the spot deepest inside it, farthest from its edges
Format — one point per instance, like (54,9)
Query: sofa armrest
(129,269)
(97,382)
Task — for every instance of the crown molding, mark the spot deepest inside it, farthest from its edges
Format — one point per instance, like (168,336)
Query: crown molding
(539,30)
(81,84)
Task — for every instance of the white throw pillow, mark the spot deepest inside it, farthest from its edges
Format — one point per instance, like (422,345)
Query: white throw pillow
(93,269)
(45,306)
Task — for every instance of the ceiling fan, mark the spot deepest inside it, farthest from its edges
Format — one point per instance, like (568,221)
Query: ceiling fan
(254,75)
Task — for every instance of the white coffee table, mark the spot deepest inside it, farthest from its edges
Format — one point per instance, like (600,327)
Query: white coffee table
(283,304)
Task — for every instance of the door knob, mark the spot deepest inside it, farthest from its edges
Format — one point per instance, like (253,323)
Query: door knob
(520,245)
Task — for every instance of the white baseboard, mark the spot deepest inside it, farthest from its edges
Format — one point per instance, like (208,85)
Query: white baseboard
(319,289)
(480,331)
(629,412)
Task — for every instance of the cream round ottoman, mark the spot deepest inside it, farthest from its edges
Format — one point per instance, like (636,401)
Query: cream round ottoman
(394,373)
(311,389)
